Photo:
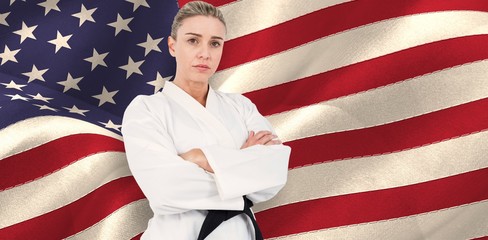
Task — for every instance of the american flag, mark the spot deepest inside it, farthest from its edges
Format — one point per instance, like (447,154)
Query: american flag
(384,103)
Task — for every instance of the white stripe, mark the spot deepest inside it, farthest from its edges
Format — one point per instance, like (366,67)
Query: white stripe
(245,17)
(406,99)
(125,223)
(352,46)
(392,170)
(462,222)
(60,188)
(33,132)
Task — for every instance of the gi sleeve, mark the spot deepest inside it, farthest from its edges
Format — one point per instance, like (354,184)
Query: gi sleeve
(258,172)
(171,184)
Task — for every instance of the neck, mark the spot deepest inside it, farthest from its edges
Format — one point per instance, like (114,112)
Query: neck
(198,90)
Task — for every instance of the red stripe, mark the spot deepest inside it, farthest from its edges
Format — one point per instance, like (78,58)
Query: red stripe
(370,74)
(79,215)
(52,156)
(328,21)
(425,129)
(375,205)
(137,237)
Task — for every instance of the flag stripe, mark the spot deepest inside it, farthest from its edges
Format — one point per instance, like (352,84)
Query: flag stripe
(88,210)
(29,165)
(370,74)
(481,238)
(137,237)
(261,15)
(403,100)
(18,136)
(328,21)
(375,205)
(417,131)
(115,225)
(396,102)
(383,171)
(61,187)
(460,222)
(338,51)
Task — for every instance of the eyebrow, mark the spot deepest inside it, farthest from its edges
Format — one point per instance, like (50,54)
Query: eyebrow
(200,35)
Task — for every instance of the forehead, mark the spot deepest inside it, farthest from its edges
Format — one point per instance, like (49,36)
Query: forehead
(203,25)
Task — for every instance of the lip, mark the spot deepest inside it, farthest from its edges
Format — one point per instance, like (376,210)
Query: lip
(202,66)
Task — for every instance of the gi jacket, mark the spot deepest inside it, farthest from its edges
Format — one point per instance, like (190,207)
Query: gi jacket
(157,128)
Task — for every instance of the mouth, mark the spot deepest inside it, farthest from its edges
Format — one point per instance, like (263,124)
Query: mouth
(202,67)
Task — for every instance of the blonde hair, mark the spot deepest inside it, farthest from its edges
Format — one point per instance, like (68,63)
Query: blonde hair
(195,8)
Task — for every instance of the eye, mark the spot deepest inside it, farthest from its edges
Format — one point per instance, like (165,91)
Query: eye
(192,41)
(215,44)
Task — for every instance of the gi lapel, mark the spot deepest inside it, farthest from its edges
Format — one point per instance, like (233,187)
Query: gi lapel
(196,110)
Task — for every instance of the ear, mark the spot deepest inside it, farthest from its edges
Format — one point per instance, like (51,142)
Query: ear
(171,47)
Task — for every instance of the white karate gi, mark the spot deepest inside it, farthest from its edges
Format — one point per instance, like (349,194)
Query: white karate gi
(157,128)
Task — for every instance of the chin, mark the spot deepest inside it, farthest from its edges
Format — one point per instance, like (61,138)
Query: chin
(203,78)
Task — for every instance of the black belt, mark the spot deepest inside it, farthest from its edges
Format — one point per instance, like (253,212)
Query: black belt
(216,217)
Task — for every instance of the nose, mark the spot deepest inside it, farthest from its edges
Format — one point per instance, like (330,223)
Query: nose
(204,52)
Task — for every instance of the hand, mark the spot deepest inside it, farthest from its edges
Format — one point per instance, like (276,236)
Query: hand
(262,138)
(198,157)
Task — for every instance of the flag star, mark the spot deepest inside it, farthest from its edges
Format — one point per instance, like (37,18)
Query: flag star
(121,24)
(111,125)
(17,97)
(85,15)
(138,3)
(44,107)
(26,32)
(158,83)
(150,44)
(49,5)
(70,83)
(105,96)
(8,55)
(75,109)
(96,59)
(60,41)
(40,97)
(132,67)
(3,18)
(35,74)
(13,85)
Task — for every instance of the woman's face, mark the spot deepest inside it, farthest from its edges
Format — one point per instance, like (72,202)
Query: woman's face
(198,48)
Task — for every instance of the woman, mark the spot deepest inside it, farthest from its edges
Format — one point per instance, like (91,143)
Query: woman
(200,156)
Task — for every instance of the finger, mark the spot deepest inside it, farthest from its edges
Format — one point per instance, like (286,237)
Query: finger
(261,134)
(248,140)
(273,142)
(266,139)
